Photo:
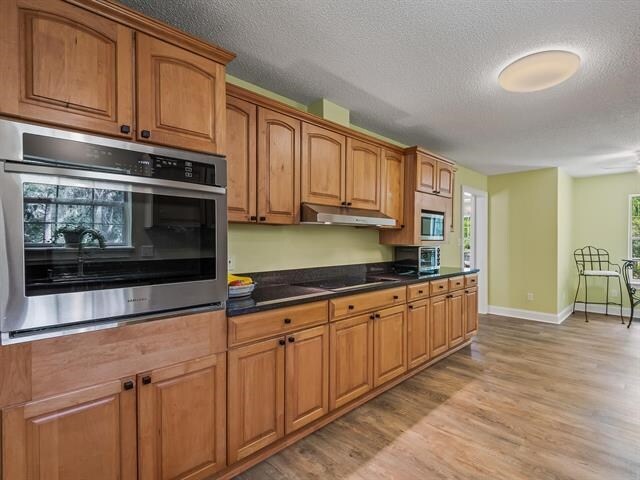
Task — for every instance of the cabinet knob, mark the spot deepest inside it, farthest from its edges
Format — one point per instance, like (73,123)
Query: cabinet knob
(287,321)
(377,315)
(145,134)
(440,287)
(351,307)
(466,291)
(371,317)
(292,339)
(349,204)
(146,380)
(396,297)
(344,204)
(411,307)
(281,342)
(253,218)
(263,219)
(125,129)
(420,291)
(128,385)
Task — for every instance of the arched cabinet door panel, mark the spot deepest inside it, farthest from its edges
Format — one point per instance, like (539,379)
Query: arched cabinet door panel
(181,97)
(363,173)
(65,66)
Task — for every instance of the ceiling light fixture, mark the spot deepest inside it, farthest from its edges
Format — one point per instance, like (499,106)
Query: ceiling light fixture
(539,71)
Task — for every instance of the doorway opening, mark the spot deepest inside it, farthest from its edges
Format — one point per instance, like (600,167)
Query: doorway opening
(474,228)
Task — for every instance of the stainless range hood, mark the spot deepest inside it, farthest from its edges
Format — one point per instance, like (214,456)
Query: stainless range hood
(323,214)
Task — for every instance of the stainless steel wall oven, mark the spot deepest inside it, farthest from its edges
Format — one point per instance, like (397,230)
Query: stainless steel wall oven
(95,229)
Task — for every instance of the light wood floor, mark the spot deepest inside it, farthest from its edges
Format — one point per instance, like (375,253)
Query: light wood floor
(526,400)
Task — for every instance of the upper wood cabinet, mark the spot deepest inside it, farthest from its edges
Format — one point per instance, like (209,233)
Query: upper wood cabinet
(390,344)
(182,420)
(392,191)
(255,397)
(278,167)
(363,174)
(432,175)
(84,434)
(323,165)
(181,97)
(445,174)
(470,312)
(64,65)
(241,160)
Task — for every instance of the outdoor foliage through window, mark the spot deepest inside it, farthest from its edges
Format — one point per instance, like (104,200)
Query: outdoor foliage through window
(48,208)
(635,232)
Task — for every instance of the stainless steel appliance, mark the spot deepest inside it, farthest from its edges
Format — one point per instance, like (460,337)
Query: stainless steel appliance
(431,226)
(417,259)
(330,215)
(95,229)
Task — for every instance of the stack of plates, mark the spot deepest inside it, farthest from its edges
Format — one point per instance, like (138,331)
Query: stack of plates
(238,291)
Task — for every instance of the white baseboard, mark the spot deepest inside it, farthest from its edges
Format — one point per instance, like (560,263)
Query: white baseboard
(558,318)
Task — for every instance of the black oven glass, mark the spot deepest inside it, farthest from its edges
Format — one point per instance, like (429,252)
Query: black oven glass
(82,239)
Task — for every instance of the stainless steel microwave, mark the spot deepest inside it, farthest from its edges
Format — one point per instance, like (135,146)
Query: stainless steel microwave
(96,230)
(432,226)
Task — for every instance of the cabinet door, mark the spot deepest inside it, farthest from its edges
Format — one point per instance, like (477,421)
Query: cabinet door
(307,377)
(323,165)
(445,180)
(455,315)
(241,160)
(181,420)
(278,168)
(255,397)
(438,326)
(63,65)
(426,170)
(418,333)
(390,344)
(470,312)
(85,434)
(351,364)
(393,186)
(363,173)
(181,97)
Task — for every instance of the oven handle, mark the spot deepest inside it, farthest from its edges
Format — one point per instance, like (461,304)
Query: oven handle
(113,177)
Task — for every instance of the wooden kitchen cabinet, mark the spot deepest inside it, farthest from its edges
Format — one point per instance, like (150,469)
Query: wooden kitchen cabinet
(418,333)
(307,377)
(181,97)
(256,397)
(66,66)
(241,160)
(278,168)
(470,312)
(84,434)
(351,359)
(455,318)
(323,165)
(438,326)
(426,171)
(392,191)
(363,171)
(445,175)
(390,344)
(182,420)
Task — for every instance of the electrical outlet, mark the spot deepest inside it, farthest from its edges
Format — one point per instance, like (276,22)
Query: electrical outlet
(231,264)
(530,296)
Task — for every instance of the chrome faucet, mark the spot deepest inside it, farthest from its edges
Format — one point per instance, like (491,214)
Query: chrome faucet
(95,235)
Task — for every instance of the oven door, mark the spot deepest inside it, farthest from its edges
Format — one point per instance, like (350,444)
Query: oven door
(432,226)
(81,246)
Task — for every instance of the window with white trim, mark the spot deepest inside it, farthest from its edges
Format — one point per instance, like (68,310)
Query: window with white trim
(634,232)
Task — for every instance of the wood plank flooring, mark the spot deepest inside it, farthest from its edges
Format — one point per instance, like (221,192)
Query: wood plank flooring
(526,400)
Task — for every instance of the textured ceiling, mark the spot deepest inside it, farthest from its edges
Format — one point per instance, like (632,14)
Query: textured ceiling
(424,72)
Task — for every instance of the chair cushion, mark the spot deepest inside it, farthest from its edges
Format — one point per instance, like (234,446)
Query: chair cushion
(600,273)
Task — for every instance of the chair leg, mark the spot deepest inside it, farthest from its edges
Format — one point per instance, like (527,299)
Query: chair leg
(575,299)
(586,300)
(621,302)
(631,316)
(606,305)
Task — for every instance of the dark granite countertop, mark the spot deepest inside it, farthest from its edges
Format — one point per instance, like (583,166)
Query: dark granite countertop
(293,287)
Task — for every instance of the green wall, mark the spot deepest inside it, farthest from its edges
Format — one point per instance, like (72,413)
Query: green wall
(523,245)
(255,248)
(566,264)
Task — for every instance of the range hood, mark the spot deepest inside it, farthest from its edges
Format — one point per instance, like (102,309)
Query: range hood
(323,214)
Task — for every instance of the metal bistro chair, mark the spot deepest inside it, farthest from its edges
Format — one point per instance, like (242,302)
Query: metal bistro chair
(593,262)
(634,294)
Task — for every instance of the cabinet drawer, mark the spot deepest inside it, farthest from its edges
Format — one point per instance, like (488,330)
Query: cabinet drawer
(470,281)
(364,302)
(417,291)
(439,286)
(456,283)
(254,326)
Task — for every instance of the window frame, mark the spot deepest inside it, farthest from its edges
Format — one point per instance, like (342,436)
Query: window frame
(630,237)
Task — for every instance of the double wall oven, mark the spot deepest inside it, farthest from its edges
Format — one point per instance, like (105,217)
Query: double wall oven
(95,230)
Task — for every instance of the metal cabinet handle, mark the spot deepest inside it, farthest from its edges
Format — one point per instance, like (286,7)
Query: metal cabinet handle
(263,219)
(292,339)
(420,291)
(253,218)
(281,342)
(145,134)
(146,380)
(377,315)
(411,307)
(343,204)
(287,321)
(349,204)
(125,129)
(128,385)
(351,307)
(396,297)
(371,317)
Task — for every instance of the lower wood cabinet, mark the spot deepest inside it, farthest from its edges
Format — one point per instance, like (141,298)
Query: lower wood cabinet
(182,420)
(418,333)
(259,413)
(85,434)
(455,318)
(389,344)
(438,326)
(470,312)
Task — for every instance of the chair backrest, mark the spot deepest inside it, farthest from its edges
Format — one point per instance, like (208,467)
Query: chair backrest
(627,273)
(591,258)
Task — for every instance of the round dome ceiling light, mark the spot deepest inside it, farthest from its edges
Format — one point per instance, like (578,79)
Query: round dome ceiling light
(539,71)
